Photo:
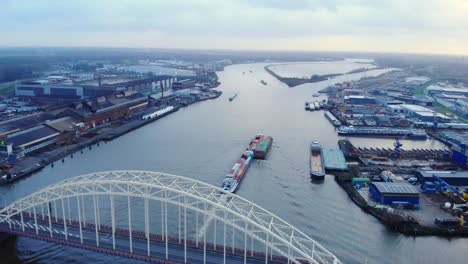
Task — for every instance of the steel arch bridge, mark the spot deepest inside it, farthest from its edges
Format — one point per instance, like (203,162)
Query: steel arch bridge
(73,212)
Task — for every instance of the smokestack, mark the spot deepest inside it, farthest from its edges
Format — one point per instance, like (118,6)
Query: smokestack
(162,90)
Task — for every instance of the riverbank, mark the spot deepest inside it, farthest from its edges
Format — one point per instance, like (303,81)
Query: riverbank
(37,161)
(395,219)
(291,82)
(294,81)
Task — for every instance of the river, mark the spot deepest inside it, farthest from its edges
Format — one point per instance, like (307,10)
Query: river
(203,141)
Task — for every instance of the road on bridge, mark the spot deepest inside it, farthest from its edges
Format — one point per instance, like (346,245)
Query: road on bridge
(139,244)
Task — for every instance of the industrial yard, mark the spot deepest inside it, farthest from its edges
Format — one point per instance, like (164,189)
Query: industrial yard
(49,118)
(413,191)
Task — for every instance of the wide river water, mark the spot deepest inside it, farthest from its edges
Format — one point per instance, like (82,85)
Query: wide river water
(203,141)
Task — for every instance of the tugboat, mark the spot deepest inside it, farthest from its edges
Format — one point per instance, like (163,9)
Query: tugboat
(232,97)
(317,171)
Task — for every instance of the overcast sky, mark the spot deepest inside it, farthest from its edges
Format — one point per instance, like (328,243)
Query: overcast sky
(426,26)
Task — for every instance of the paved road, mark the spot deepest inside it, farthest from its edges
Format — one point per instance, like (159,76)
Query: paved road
(122,243)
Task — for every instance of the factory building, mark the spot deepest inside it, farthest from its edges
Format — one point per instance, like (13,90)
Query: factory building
(459,142)
(423,113)
(416,81)
(446,89)
(150,85)
(98,111)
(64,88)
(46,88)
(423,100)
(359,99)
(183,84)
(394,192)
(32,139)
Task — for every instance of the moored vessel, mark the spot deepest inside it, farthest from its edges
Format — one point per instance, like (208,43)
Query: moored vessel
(316,105)
(317,170)
(382,132)
(332,119)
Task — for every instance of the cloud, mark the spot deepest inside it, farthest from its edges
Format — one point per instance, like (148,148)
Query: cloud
(216,23)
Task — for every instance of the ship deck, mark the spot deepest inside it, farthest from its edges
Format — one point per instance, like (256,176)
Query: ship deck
(316,163)
(334,159)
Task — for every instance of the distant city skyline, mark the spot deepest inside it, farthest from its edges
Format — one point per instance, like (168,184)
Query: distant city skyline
(415,26)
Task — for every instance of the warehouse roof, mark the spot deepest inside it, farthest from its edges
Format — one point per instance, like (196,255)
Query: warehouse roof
(416,108)
(67,123)
(32,136)
(395,188)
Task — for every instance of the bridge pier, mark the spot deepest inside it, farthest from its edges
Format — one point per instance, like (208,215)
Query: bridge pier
(64,221)
(129,224)
(96,213)
(165,224)
(5,236)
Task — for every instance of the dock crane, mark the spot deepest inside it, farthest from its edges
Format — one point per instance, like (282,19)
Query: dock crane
(438,184)
(397,144)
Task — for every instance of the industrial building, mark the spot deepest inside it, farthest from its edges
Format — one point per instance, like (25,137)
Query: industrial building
(65,88)
(423,100)
(94,112)
(394,192)
(359,99)
(183,84)
(446,89)
(423,113)
(459,142)
(47,88)
(32,139)
(416,81)
(455,178)
(149,85)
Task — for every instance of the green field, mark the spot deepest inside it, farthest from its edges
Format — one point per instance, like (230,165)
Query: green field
(420,90)
(442,109)
(7,88)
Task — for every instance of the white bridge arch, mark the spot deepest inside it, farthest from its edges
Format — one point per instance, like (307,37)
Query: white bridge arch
(277,235)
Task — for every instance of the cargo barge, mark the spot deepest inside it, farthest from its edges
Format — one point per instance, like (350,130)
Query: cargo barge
(332,119)
(257,149)
(383,132)
(317,170)
(260,145)
(237,172)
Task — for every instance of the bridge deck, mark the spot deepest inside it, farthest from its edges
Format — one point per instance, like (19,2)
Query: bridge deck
(195,254)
